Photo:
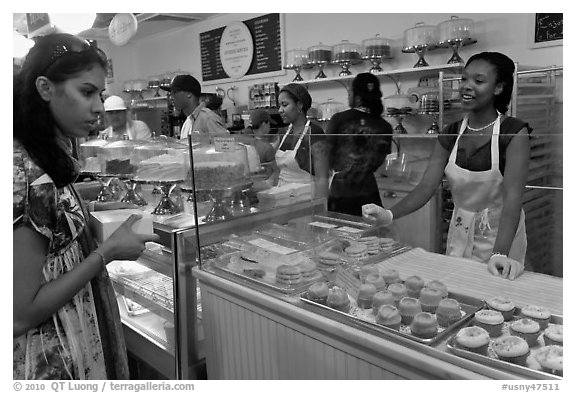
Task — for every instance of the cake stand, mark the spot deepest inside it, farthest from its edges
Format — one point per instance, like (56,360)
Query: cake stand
(132,196)
(399,115)
(224,202)
(420,50)
(166,204)
(434,128)
(455,44)
(297,69)
(321,64)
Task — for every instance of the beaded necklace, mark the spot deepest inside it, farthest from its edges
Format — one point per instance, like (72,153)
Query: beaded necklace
(486,126)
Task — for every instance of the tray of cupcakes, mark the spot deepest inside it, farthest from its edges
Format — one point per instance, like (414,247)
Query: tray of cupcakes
(425,312)
(526,340)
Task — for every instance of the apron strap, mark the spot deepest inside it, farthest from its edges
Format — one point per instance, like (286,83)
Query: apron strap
(306,128)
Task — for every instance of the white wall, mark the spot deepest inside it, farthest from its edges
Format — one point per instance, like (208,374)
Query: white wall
(180,50)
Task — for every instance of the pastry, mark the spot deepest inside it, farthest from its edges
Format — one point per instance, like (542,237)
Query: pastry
(372,243)
(526,328)
(504,305)
(408,307)
(338,299)
(414,285)
(389,316)
(511,349)
(386,244)
(328,263)
(430,299)
(376,280)
(424,325)
(551,359)
(537,313)
(391,276)
(358,252)
(288,275)
(553,335)
(366,295)
(318,292)
(398,290)
(365,270)
(490,320)
(381,298)
(439,285)
(448,312)
(474,339)
(308,269)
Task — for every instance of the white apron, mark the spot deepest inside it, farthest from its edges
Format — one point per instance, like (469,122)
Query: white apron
(290,171)
(478,202)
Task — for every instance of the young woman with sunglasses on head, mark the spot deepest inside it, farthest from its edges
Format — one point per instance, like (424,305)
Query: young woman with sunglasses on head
(65,321)
(485,158)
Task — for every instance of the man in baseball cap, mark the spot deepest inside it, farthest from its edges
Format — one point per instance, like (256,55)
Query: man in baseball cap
(185,91)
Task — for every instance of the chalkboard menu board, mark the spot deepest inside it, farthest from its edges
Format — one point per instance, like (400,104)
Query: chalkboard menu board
(267,37)
(548,27)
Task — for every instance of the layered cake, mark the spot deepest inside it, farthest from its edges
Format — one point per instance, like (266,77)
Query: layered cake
(408,307)
(218,174)
(474,339)
(389,316)
(381,298)
(119,167)
(319,56)
(351,56)
(539,314)
(424,325)
(502,304)
(511,349)
(490,320)
(377,51)
(338,299)
(448,312)
(554,335)
(526,328)
(366,295)
(164,167)
(551,359)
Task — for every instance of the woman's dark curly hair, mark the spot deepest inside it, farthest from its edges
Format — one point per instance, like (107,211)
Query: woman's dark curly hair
(504,74)
(366,92)
(59,57)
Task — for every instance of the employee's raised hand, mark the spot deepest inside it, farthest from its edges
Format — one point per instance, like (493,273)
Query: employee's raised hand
(377,214)
(502,266)
(124,243)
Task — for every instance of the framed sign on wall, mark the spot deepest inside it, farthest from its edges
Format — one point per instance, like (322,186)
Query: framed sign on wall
(546,30)
(246,49)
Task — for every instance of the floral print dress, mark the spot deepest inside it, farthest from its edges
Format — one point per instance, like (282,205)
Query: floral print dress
(68,345)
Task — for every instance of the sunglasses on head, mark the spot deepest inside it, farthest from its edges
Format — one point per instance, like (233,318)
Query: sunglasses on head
(59,51)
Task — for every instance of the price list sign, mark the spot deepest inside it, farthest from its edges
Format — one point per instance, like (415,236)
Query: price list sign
(267,54)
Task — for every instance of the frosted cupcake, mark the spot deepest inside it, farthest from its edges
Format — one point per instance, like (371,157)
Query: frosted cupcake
(439,285)
(414,285)
(537,313)
(430,299)
(318,292)
(554,335)
(391,276)
(377,280)
(512,349)
(474,339)
(424,325)
(408,307)
(448,312)
(381,298)
(526,328)
(504,305)
(490,320)
(366,295)
(551,359)
(389,316)
(398,290)
(365,271)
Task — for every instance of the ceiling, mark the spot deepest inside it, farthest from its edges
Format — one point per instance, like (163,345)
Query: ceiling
(148,23)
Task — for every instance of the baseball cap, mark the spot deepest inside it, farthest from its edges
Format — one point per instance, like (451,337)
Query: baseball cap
(114,103)
(184,83)
(259,116)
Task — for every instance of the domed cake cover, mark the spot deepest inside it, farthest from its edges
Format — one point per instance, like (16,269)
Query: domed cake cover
(345,51)
(377,47)
(296,58)
(237,153)
(118,151)
(420,35)
(319,53)
(455,29)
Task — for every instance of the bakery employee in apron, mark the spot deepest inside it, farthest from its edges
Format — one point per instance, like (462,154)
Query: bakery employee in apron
(302,154)
(485,158)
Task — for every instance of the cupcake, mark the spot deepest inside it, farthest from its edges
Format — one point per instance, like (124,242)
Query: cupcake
(553,335)
(376,280)
(551,359)
(366,295)
(526,328)
(398,291)
(502,304)
(537,313)
(490,320)
(430,299)
(439,285)
(512,349)
(413,285)
(391,276)
(338,299)
(473,339)
(448,312)
(408,307)
(318,292)
(381,298)
(389,316)
(424,325)
(366,270)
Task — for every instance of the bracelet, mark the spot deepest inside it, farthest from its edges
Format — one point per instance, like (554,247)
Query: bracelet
(102,258)
(498,254)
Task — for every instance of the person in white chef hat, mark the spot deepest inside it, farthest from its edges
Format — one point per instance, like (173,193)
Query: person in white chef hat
(120,124)
(485,158)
